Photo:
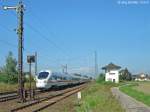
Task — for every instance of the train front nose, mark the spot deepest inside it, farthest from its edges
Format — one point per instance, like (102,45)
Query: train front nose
(41,84)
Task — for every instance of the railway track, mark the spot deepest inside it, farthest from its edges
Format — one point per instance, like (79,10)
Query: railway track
(47,101)
(6,93)
(6,96)
(11,95)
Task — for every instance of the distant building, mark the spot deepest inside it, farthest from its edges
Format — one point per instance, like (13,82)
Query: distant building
(141,77)
(112,72)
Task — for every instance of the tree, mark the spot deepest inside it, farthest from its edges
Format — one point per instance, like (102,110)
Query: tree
(10,68)
(101,77)
(125,75)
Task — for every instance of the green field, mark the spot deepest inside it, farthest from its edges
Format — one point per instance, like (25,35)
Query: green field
(143,87)
(98,98)
(139,91)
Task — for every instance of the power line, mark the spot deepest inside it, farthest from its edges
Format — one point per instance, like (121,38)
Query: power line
(10,44)
(35,30)
(6,29)
(96,64)
(44,37)
(15,46)
(40,55)
(44,26)
(7,43)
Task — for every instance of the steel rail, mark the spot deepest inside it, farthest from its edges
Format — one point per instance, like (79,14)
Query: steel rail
(34,103)
(8,92)
(6,96)
(59,99)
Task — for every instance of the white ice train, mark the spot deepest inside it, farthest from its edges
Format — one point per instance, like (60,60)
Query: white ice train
(47,79)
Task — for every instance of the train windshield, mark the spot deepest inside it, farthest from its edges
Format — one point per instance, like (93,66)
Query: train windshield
(43,75)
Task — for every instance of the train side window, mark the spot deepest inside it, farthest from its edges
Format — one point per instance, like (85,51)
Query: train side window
(53,78)
(58,78)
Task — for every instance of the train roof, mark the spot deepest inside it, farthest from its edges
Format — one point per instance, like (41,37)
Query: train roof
(59,74)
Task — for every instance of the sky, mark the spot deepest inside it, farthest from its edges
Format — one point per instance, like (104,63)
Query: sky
(70,31)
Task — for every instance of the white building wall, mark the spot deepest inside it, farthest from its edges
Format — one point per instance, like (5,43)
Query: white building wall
(112,75)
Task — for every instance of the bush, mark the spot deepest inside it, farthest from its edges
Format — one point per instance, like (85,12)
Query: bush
(9,70)
(5,78)
(101,78)
(125,75)
(27,79)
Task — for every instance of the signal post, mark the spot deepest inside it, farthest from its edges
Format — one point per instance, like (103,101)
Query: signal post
(30,60)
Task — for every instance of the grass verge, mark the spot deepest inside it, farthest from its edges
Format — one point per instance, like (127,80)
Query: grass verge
(138,95)
(98,98)
(8,87)
(4,87)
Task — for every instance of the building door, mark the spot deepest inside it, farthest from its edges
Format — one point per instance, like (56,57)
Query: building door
(113,80)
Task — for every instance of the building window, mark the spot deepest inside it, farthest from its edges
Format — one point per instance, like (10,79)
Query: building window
(111,73)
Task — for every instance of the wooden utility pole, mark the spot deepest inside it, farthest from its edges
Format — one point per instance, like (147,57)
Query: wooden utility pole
(30,77)
(35,63)
(20,50)
(96,64)
(65,68)
(20,13)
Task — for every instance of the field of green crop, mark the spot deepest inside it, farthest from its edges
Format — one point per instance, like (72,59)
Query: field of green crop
(137,92)
(143,87)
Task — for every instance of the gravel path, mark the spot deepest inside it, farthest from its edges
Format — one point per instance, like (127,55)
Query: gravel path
(129,103)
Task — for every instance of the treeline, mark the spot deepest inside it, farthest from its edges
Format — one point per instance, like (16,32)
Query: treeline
(8,72)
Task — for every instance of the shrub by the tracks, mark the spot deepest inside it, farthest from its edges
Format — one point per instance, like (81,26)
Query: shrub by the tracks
(3,78)
(8,73)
